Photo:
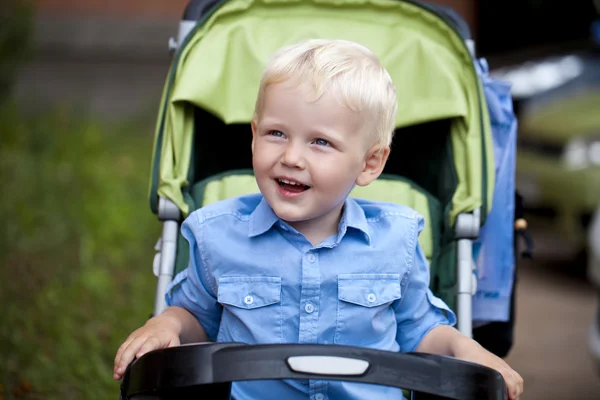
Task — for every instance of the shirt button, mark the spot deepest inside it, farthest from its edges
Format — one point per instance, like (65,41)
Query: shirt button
(371,297)
(309,308)
(248,300)
(319,396)
(311,258)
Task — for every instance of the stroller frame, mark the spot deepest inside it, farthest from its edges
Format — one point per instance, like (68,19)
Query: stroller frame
(466,226)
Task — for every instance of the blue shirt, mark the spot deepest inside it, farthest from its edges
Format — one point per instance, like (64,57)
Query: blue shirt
(253,278)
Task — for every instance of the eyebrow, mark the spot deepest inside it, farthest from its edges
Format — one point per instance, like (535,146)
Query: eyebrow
(272,123)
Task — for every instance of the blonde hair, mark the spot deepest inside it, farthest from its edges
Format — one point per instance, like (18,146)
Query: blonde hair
(347,67)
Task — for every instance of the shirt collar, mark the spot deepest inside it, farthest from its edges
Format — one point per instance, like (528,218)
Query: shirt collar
(263,218)
(354,217)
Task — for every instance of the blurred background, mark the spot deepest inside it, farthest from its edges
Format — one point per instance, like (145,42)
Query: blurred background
(80,84)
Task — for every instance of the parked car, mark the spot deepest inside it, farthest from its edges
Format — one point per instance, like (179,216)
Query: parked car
(558,150)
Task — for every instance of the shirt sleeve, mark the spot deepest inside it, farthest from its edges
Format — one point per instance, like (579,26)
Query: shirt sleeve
(419,310)
(191,289)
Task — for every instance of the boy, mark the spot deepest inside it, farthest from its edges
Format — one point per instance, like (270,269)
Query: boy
(301,262)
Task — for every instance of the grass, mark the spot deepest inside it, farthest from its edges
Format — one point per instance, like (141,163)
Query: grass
(76,249)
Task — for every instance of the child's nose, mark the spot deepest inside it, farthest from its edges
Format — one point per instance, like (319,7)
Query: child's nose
(293,157)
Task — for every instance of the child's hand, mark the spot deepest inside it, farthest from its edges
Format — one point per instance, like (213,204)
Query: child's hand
(158,333)
(477,354)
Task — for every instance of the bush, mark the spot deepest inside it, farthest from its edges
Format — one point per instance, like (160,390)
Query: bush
(76,249)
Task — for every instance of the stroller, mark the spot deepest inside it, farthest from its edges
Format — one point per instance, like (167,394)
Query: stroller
(441,165)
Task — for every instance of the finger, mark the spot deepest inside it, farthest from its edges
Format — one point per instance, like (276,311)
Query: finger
(117,376)
(128,354)
(508,380)
(519,385)
(174,342)
(152,343)
(515,385)
(122,348)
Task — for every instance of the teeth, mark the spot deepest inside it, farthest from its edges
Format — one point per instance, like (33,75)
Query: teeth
(289,182)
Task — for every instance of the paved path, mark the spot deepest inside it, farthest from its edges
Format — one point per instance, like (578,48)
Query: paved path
(554,311)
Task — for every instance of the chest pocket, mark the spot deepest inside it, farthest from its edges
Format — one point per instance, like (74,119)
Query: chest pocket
(251,309)
(364,314)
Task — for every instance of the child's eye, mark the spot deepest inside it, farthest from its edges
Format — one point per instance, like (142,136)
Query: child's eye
(321,142)
(276,133)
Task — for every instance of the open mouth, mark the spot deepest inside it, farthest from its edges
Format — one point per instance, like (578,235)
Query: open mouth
(291,186)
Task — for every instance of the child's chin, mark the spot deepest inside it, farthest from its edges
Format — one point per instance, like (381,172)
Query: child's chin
(289,213)
(290,216)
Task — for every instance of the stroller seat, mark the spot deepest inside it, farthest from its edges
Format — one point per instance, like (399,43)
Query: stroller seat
(441,162)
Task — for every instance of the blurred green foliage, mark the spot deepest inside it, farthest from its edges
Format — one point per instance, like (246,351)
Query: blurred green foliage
(16,28)
(76,249)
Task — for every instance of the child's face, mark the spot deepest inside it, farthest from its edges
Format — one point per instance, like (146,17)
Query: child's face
(308,155)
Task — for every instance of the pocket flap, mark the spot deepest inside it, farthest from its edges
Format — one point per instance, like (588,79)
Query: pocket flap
(369,290)
(249,291)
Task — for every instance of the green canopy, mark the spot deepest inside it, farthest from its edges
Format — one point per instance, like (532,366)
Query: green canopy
(219,66)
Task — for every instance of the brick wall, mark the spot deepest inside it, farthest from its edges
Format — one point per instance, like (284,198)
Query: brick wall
(116,8)
(466,8)
(170,9)
(130,28)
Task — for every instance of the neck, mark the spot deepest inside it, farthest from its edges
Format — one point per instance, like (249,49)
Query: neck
(318,229)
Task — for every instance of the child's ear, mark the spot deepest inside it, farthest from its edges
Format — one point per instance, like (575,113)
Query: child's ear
(254,126)
(374,164)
